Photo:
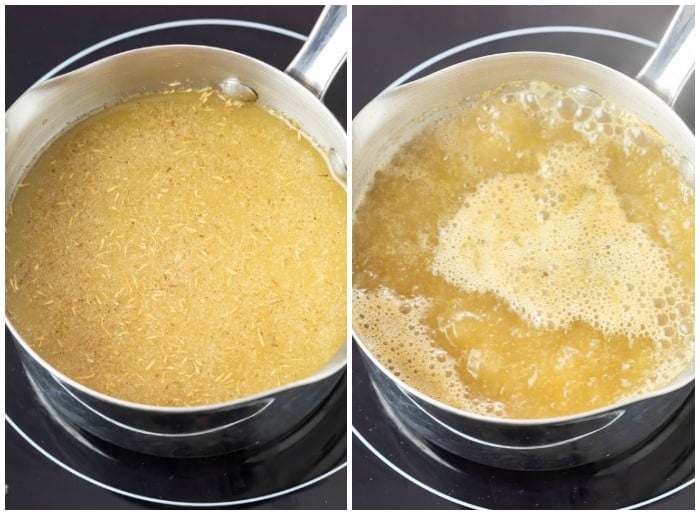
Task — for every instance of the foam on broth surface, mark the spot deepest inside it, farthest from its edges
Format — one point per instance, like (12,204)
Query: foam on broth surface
(179,249)
(530,255)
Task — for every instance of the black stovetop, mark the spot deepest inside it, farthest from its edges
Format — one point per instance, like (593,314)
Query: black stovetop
(48,467)
(388,42)
(388,469)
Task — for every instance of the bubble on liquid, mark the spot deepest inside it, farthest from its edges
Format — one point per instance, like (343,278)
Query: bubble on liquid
(566,108)
(415,358)
(508,98)
(628,266)
(582,114)
(529,102)
(605,129)
(687,171)
(549,99)
(601,115)
(586,97)
(589,126)
(684,309)
(636,140)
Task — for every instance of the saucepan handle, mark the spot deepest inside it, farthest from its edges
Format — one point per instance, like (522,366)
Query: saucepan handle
(324,51)
(673,62)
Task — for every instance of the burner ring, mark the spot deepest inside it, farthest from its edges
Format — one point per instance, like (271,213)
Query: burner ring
(195,22)
(530,31)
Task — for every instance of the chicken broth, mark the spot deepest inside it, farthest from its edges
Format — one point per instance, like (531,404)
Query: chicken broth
(177,249)
(529,255)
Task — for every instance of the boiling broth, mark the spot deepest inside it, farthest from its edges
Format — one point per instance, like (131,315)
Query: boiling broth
(529,255)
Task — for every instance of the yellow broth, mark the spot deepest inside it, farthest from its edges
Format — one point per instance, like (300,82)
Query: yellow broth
(528,255)
(179,249)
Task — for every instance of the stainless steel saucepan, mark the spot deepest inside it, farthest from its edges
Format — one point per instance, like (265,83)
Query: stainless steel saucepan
(46,110)
(393,118)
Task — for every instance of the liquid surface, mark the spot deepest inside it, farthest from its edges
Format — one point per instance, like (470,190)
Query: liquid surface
(179,249)
(530,255)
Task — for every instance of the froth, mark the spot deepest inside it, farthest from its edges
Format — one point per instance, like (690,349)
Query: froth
(528,255)
(391,328)
(557,247)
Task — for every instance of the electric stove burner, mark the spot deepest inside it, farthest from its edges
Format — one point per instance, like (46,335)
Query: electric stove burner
(310,454)
(395,469)
(659,468)
(49,462)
